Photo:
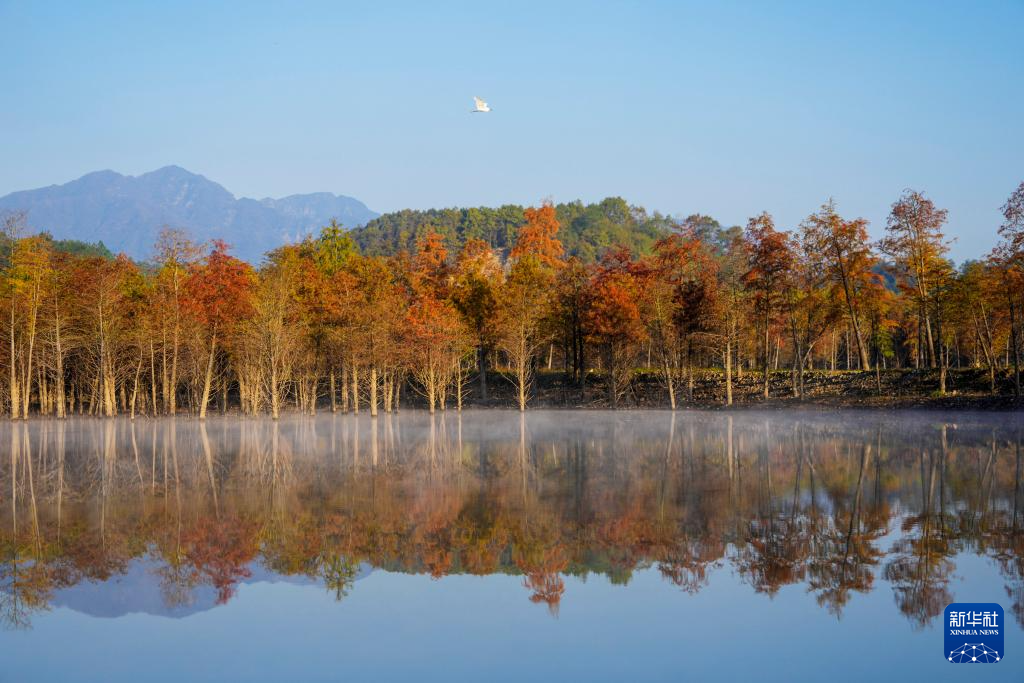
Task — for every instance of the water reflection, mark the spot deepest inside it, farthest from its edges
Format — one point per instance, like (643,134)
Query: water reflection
(170,517)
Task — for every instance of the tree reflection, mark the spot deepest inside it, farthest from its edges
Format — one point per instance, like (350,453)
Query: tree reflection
(339,575)
(921,564)
(1007,538)
(219,551)
(803,502)
(844,551)
(25,586)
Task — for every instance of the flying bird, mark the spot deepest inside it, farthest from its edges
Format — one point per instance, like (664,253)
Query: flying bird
(481,106)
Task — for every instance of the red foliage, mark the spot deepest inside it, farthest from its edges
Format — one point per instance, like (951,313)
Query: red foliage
(220,290)
(220,550)
(614,314)
(430,267)
(539,237)
(431,322)
(771,260)
(543,576)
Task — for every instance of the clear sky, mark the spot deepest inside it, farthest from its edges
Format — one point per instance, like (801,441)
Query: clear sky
(722,108)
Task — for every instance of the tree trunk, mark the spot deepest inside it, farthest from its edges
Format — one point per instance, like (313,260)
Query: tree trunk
(481,360)
(135,387)
(728,372)
(431,388)
(670,383)
(862,351)
(355,388)
(275,398)
(521,377)
(173,388)
(334,394)
(373,390)
(344,389)
(458,386)
(930,339)
(767,351)
(15,398)
(1013,342)
(208,380)
(60,398)
(943,367)
(26,385)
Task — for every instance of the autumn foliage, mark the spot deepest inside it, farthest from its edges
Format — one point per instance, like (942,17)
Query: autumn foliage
(320,325)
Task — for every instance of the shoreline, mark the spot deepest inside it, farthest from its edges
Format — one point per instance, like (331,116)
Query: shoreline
(902,389)
(824,391)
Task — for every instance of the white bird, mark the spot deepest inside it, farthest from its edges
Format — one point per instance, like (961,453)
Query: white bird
(481,106)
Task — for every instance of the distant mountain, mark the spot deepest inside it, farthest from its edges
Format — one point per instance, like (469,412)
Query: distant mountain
(127,212)
(138,590)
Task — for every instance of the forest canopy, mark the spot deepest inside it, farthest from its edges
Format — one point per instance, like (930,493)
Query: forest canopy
(586,230)
(70,247)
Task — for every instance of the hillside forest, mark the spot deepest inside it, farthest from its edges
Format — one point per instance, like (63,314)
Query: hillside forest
(436,308)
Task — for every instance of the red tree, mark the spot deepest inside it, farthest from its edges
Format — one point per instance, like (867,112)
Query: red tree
(539,236)
(220,294)
(771,260)
(613,318)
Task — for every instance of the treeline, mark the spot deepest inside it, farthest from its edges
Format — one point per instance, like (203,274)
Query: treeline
(321,322)
(585,232)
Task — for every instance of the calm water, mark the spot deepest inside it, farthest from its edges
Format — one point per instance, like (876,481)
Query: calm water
(562,545)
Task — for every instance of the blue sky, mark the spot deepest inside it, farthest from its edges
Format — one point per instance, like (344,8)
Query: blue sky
(722,108)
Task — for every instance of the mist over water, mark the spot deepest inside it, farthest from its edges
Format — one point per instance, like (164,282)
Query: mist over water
(604,545)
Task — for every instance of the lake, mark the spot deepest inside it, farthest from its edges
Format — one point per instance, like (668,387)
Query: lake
(558,545)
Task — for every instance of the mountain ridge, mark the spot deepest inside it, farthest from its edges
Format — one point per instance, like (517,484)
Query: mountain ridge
(127,212)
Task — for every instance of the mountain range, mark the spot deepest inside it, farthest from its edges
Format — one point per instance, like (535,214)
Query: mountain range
(137,589)
(127,213)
